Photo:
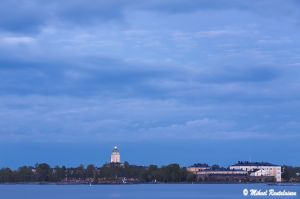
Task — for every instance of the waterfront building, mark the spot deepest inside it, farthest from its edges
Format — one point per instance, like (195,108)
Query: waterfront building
(222,172)
(115,156)
(259,169)
(222,175)
(195,168)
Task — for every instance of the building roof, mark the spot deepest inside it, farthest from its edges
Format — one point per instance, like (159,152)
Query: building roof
(246,163)
(199,165)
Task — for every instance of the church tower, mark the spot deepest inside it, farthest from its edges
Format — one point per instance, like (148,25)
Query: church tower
(115,156)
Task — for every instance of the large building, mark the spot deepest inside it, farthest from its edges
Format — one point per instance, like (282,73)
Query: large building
(115,156)
(259,169)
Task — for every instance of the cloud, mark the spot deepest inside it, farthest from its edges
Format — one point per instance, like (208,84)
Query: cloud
(82,70)
(261,7)
(39,118)
(254,74)
(32,16)
(27,16)
(92,76)
(217,33)
(16,40)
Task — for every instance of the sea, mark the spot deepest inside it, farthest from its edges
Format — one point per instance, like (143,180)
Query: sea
(149,191)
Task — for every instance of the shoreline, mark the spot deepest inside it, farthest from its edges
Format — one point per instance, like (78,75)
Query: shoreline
(210,183)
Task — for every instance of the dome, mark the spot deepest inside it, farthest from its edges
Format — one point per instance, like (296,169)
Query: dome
(115,150)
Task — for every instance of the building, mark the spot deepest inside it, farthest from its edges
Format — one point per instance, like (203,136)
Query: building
(195,168)
(222,172)
(115,156)
(222,175)
(259,169)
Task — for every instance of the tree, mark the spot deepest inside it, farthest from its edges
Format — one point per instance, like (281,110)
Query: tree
(24,174)
(6,175)
(43,172)
(171,173)
(126,164)
(59,173)
(90,171)
(80,171)
(215,167)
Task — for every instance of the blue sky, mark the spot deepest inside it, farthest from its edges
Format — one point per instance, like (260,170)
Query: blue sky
(212,81)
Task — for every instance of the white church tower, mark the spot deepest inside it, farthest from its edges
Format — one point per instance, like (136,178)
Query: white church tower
(115,156)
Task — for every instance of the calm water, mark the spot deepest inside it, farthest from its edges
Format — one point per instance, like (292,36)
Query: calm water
(135,191)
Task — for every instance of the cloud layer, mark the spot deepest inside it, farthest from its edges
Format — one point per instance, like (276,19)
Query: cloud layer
(73,71)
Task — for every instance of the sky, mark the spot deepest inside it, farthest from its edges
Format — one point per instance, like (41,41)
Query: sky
(209,81)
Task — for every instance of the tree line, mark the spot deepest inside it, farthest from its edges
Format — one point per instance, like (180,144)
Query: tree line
(172,173)
(44,173)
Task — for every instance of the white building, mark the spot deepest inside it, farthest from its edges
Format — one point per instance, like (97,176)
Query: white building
(259,169)
(115,156)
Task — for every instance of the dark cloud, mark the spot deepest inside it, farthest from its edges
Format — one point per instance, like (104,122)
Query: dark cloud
(258,6)
(22,16)
(136,81)
(240,74)
(94,76)
(91,11)
(103,75)
(30,16)
(181,6)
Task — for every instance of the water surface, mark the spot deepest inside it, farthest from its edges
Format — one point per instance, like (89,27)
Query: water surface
(141,191)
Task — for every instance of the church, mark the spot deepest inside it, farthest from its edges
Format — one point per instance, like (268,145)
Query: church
(115,156)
